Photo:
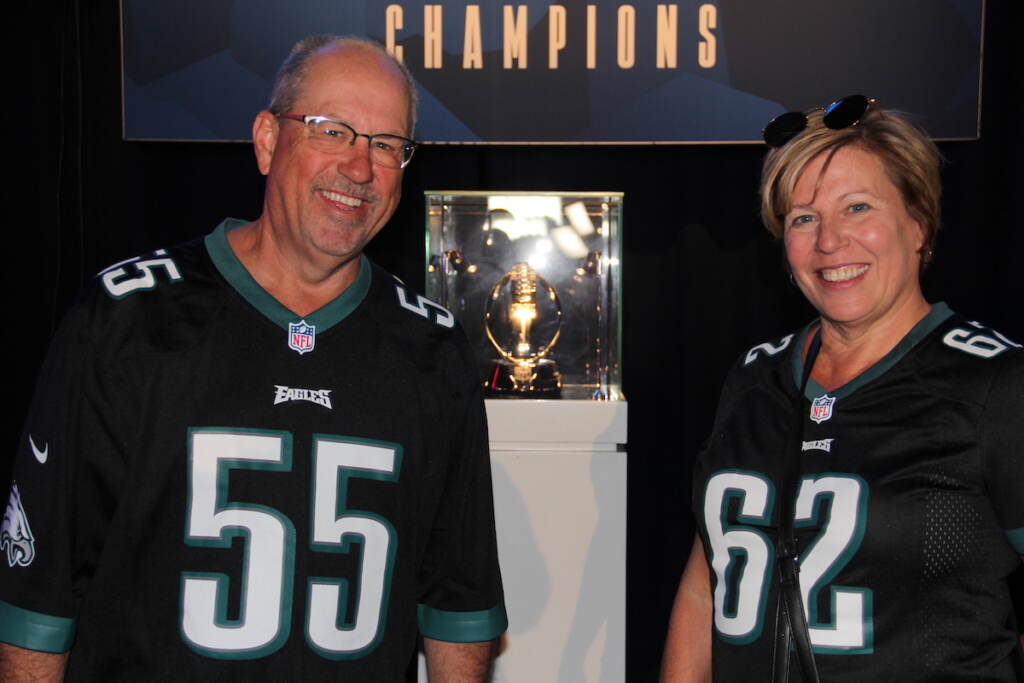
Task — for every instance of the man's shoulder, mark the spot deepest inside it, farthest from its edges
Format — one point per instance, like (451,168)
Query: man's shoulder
(417,328)
(400,307)
(149,290)
(158,272)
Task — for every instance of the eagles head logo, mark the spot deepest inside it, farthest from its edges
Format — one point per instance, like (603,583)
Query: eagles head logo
(15,536)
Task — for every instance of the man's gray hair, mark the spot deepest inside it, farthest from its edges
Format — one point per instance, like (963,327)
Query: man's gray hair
(288,81)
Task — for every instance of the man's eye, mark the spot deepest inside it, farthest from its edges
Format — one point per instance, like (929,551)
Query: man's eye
(384,145)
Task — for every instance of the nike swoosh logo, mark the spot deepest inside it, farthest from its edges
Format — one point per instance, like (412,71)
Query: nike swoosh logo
(40,454)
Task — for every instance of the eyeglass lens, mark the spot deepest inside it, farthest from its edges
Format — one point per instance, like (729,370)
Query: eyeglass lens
(386,150)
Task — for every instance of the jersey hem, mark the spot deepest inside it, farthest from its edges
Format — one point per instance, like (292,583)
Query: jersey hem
(462,627)
(35,631)
(1016,537)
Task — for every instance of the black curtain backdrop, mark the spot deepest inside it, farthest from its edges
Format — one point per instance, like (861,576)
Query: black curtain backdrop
(702,279)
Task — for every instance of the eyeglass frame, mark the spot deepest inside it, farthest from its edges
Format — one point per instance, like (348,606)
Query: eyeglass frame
(842,113)
(408,146)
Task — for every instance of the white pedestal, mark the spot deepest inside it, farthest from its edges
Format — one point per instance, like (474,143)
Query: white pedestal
(560,507)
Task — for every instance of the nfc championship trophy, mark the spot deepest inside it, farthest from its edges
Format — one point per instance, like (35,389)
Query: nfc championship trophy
(523,321)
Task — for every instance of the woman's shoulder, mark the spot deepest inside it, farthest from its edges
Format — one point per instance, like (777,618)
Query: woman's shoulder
(971,360)
(971,341)
(767,364)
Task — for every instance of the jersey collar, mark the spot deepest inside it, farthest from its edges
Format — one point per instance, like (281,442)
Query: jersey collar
(933,319)
(238,277)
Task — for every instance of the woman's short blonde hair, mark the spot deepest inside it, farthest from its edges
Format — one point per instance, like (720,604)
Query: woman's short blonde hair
(910,160)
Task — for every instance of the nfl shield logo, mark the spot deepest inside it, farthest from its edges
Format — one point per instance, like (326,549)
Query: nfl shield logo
(301,336)
(821,408)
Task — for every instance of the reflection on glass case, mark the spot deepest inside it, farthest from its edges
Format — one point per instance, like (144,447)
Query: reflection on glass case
(534,280)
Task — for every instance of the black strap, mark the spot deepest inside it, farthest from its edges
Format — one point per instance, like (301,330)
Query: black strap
(783,642)
(790,620)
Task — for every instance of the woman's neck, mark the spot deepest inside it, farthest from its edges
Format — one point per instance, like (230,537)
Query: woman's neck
(847,350)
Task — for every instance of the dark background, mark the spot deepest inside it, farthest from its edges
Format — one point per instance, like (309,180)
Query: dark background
(702,279)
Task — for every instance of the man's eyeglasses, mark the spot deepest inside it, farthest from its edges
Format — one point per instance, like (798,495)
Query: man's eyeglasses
(842,113)
(330,136)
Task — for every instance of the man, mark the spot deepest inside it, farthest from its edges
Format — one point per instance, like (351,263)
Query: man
(257,455)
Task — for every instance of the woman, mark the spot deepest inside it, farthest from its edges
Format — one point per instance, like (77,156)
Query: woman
(902,458)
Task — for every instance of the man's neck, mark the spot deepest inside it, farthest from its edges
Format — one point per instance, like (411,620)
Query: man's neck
(298,283)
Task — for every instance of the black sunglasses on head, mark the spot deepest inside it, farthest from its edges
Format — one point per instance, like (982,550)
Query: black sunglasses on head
(843,113)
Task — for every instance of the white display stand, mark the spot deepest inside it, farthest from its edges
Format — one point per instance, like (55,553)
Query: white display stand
(560,505)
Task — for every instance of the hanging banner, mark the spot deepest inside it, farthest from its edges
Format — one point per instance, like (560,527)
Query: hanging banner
(569,72)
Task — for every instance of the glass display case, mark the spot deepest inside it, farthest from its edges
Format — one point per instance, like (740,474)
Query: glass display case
(534,279)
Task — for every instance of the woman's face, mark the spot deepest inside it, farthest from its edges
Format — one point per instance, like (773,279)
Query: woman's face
(852,246)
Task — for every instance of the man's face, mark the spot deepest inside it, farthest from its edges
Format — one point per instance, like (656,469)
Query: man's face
(323,208)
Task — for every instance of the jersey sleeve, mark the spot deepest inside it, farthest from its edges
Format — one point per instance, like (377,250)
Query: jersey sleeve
(461,596)
(1002,441)
(60,499)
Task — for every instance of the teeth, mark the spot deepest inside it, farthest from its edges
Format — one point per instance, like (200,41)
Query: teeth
(842,274)
(342,198)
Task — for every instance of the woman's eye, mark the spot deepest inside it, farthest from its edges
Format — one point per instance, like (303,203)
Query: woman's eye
(800,221)
(858,207)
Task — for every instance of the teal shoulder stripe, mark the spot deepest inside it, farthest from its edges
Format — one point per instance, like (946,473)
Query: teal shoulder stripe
(35,631)
(462,627)
(238,277)
(1016,537)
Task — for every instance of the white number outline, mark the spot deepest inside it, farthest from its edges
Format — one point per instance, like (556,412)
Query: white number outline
(334,529)
(823,559)
(980,345)
(728,543)
(146,278)
(838,541)
(264,450)
(212,521)
(767,348)
(424,307)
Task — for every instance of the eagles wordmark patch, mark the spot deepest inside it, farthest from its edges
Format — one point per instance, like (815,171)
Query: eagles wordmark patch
(818,445)
(321,397)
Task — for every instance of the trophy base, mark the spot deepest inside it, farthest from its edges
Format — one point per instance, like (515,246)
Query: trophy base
(510,380)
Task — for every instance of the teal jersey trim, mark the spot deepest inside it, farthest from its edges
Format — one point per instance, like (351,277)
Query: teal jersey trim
(1016,537)
(922,329)
(462,627)
(238,277)
(35,631)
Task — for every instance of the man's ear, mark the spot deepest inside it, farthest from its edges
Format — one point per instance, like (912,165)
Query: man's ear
(264,139)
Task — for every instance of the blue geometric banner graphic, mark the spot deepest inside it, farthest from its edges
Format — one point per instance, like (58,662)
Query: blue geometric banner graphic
(569,72)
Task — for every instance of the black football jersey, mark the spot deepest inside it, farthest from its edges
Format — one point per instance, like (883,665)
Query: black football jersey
(909,510)
(213,488)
